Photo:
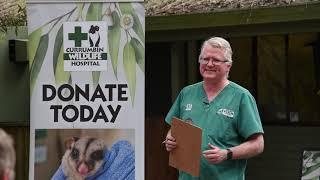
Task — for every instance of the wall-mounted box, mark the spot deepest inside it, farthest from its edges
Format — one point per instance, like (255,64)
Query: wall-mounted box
(18,50)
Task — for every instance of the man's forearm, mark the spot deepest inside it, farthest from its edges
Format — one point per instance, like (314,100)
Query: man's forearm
(252,147)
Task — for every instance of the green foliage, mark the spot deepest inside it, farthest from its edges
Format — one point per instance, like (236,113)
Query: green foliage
(311,164)
(19,19)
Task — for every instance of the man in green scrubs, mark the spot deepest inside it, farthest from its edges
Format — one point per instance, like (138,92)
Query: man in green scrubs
(226,112)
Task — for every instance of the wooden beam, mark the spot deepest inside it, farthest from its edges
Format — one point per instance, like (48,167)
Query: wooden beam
(192,62)
(280,14)
(234,31)
(177,69)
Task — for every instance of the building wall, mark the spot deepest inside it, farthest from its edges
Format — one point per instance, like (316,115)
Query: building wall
(282,157)
(14,83)
(14,101)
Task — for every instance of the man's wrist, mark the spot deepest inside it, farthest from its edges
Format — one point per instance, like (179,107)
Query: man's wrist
(225,155)
(229,154)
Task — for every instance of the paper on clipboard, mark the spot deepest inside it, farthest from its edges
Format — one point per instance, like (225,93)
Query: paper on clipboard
(186,156)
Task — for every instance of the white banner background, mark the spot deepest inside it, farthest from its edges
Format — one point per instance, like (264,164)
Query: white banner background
(131,115)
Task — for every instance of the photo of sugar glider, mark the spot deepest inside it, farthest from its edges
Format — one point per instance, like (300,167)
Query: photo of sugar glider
(83,157)
(88,157)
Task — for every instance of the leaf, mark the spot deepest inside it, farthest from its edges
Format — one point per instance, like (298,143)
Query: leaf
(129,64)
(126,8)
(114,41)
(33,42)
(38,60)
(80,8)
(61,76)
(70,80)
(57,47)
(95,77)
(94,12)
(139,50)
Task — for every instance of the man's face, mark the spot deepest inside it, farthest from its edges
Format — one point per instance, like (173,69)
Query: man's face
(216,68)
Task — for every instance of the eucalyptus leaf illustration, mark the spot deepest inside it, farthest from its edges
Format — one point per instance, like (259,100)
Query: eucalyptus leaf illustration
(95,77)
(33,42)
(129,64)
(34,37)
(126,8)
(139,51)
(80,7)
(114,41)
(61,76)
(95,14)
(38,60)
(70,80)
(57,48)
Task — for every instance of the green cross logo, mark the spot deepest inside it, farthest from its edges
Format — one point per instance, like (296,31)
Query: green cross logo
(77,36)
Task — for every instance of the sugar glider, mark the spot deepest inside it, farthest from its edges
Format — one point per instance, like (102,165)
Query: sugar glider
(83,157)
(94,36)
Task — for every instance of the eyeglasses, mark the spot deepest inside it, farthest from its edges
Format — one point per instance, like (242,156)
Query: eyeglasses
(213,60)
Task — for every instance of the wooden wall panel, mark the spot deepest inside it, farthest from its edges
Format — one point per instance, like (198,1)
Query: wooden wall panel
(21,144)
(156,157)
(283,152)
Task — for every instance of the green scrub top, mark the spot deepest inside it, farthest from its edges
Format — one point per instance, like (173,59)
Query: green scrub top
(226,121)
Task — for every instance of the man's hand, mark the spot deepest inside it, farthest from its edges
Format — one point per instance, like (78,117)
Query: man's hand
(215,155)
(170,142)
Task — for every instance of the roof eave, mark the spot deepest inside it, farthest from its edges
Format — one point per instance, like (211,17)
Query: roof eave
(292,13)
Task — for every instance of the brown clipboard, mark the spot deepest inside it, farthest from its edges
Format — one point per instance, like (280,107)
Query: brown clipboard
(186,156)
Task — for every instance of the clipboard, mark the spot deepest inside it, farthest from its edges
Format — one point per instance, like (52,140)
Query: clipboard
(186,156)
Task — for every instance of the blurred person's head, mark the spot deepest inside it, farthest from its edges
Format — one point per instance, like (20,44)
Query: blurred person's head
(7,156)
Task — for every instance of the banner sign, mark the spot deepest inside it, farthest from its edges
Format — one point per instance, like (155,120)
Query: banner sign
(86,89)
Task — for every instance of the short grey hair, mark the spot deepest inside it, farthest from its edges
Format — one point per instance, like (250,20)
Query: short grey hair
(218,42)
(7,155)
